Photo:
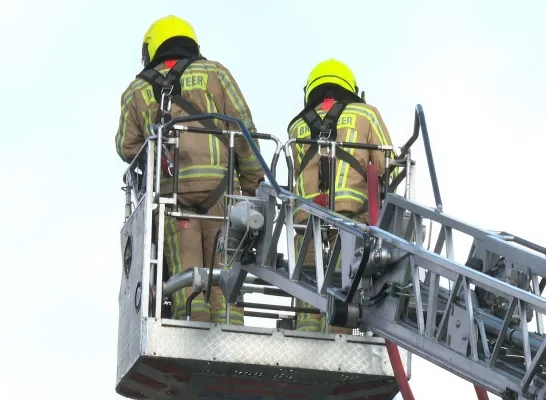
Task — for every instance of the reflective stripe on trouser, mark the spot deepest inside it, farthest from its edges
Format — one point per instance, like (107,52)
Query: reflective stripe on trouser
(188,244)
(316,322)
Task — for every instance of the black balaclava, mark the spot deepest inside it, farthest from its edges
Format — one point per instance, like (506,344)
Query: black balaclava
(175,48)
(329,90)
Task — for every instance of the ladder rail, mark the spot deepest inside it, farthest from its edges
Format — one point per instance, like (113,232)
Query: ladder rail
(492,243)
(475,367)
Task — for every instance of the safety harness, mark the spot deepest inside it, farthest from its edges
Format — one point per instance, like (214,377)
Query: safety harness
(326,129)
(169,86)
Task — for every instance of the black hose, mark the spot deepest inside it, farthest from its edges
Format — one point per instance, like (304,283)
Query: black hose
(188,304)
(211,265)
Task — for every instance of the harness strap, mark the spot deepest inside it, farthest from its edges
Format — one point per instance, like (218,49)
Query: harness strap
(319,126)
(210,201)
(171,84)
(327,128)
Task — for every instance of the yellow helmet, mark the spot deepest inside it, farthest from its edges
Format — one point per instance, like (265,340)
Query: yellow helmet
(162,30)
(330,71)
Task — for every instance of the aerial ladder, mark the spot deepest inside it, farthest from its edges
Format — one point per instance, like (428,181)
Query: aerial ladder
(388,289)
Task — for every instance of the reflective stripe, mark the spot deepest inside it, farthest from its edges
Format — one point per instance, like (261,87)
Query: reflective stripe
(249,163)
(214,147)
(372,117)
(235,318)
(343,169)
(201,171)
(309,323)
(122,129)
(238,103)
(346,194)
(300,187)
(351,194)
(172,247)
(125,106)
(172,252)
(148,122)
(178,310)
(214,142)
(301,152)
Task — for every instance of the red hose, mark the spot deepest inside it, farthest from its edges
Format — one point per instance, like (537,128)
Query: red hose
(392,349)
(481,393)
(398,369)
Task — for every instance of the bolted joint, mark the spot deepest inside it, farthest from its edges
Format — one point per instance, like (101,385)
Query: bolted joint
(380,257)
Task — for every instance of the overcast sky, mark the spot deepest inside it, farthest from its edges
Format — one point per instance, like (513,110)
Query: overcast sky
(477,69)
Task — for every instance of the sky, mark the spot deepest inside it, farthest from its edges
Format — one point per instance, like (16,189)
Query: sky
(476,67)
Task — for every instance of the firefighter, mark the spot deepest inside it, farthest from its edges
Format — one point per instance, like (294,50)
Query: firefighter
(170,49)
(333,109)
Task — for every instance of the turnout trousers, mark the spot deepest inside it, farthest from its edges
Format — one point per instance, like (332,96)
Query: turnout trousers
(189,244)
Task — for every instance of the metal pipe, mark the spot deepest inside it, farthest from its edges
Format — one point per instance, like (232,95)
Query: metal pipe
(514,336)
(419,113)
(492,324)
(142,152)
(274,162)
(414,136)
(185,279)
(275,307)
(188,304)
(196,216)
(231,161)
(276,155)
(263,315)
(408,176)
(290,165)
(349,145)
(332,178)
(128,204)
(159,144)
(178,282)
(270,291)
(301,227)
(176,163)
(388,170)
(196,129)
(396,181)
